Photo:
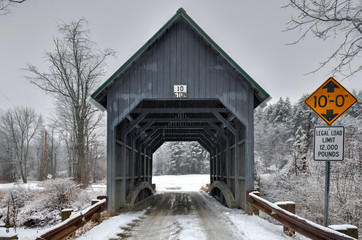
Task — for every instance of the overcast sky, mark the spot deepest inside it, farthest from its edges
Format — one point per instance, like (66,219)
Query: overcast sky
(250,32)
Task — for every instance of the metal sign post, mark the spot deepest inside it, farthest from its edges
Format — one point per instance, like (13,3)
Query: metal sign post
(326,193)
(328,146)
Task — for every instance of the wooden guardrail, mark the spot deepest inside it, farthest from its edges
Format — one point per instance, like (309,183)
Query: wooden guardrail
(292,221)
(72,224)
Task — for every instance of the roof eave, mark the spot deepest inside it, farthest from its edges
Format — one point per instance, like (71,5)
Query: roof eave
(136,55)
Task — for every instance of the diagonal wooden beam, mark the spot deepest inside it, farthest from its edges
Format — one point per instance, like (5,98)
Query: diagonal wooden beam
(135,122)
(225,122)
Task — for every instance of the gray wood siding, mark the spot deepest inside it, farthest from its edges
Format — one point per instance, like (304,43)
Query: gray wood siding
(180,57)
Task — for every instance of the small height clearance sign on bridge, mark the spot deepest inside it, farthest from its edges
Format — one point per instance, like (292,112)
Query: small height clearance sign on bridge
(180,91)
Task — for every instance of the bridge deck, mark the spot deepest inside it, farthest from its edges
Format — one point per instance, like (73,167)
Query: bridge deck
(172,215)
(184,214)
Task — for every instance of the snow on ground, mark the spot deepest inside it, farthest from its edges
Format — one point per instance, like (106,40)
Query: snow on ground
(111,227)
(23,233)
(31,185)
(178,183)
(252,227)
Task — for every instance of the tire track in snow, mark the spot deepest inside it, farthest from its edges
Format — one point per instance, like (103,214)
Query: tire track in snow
(180,215)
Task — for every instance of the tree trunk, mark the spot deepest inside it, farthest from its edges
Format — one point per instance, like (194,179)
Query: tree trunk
(23,176)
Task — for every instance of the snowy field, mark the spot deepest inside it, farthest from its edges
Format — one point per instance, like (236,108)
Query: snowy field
(179,183)
(187,226)
(30,185)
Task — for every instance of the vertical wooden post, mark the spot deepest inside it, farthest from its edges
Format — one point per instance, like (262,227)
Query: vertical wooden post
(65,213)
(290,207)
(97,217)
(45,155)
(347,229)
(254,210)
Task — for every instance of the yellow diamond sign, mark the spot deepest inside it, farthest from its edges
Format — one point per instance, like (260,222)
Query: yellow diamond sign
(330,101)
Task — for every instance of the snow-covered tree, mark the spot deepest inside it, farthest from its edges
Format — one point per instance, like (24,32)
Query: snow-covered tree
(282,111)
(300,148)
(7,164)
(19,126)
(181,158)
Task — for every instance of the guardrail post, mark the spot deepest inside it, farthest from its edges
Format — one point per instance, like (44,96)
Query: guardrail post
(255,210)
(65,213)
(101,198)
(347,229)
(97,218)
(290,207)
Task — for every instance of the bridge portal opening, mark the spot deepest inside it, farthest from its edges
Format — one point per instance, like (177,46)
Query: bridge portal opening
(155,122)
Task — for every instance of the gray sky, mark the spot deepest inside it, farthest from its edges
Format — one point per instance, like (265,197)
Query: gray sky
(250,32)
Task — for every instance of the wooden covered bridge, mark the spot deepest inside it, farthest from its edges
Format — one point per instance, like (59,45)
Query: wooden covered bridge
(180,86)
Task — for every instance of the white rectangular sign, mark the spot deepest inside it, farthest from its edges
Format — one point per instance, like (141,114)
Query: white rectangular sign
(180,91)
(329,143)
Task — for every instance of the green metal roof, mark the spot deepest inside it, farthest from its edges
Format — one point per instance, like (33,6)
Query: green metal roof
(261,94)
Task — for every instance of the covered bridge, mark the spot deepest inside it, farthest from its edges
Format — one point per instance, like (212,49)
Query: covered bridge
(180,86)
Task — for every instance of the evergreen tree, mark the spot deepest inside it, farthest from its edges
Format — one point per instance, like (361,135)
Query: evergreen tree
(181,158)
(198,158)
(282,111)
(176,157)
(356,110)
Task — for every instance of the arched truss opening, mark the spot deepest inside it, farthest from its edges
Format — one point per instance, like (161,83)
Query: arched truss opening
(154,122)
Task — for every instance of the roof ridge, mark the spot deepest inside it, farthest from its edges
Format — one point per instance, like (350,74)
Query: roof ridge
(181,10)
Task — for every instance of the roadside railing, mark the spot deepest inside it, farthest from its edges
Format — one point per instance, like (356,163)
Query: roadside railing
(72,224)
(294,222)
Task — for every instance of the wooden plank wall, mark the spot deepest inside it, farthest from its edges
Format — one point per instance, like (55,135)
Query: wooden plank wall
(181,56)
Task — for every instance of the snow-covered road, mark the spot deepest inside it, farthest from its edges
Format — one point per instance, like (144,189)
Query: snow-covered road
(181,215)
(181,212)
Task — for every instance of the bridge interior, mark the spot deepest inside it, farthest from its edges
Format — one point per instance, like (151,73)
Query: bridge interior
(154,122)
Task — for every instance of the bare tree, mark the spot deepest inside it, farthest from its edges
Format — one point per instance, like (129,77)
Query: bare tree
(75,69)
(7,166)
(5,5)
(51,153)
(19,126)
(326,19)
